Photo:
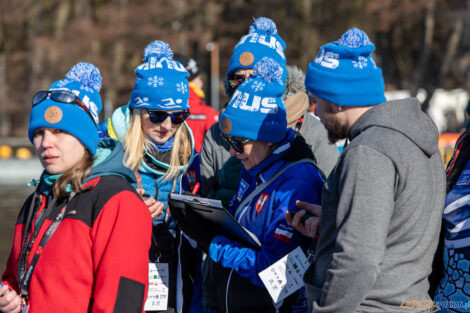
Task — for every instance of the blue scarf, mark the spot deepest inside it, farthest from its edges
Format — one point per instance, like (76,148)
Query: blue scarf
(48,182)
(167,146)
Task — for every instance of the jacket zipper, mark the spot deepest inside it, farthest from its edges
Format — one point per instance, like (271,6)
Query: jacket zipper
(226,291)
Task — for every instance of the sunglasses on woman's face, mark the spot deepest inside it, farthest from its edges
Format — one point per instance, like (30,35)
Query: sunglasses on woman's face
(157,117)
(236,144)
(235,80)
(61,96)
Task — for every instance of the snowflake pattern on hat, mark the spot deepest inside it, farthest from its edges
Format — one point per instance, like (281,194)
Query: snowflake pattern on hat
(258,86)
(345,73)
(354,38)
(161,82)
(182,88)
(155,81)
(360,62)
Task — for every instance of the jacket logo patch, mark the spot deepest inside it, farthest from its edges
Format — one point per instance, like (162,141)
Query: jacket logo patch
(241,190)
(283,233)
(261,201)
(191,175)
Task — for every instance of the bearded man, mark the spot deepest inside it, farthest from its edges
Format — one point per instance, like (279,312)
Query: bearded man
(382,203)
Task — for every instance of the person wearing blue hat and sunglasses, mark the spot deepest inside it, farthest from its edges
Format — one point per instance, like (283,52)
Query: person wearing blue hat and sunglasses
(278,169)
(159,148)
(82,238)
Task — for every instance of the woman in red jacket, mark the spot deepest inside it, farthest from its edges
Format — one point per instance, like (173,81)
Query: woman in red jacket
(82,238)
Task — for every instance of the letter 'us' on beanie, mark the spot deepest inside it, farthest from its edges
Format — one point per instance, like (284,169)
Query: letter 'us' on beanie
(345,73)
(256,110)
(261,41)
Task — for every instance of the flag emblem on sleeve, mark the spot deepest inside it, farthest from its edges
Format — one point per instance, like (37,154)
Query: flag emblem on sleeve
(283,233)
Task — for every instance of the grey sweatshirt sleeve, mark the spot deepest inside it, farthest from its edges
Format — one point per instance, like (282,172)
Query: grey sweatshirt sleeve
(326,154)
(365,206)
(208,179)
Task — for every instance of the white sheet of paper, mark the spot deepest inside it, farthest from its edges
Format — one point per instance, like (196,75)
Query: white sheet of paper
(284,277)
(157,296)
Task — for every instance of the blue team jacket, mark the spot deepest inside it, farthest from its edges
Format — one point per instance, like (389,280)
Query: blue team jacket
(264,215)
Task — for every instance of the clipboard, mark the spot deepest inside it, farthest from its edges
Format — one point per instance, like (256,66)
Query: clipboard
(207,215)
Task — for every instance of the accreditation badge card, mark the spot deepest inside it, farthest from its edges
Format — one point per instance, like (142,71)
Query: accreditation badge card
(157,296)
(284,277)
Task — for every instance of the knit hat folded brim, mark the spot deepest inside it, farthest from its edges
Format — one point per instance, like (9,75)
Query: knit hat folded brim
(363,89)
(345,73)
(256,110)
(84,81)
(67,117)
(161,82)
(261,41)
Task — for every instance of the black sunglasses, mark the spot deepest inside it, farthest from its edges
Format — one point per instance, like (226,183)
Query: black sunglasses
(61,96)
(157,117)
(235,80)
(237,144)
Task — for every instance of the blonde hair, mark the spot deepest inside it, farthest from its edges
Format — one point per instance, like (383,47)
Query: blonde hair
(74,177)
(135,141)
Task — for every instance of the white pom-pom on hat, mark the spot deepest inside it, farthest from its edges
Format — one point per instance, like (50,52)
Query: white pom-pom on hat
(158,49)
(268,69)
(354,38)
(87,74)
(265,24)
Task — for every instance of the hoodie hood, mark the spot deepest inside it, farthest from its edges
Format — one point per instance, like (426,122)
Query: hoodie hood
(295,81)
(120,121)
(109,161)
(404,116)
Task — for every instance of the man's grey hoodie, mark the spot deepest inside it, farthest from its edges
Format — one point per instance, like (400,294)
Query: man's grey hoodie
(381,215)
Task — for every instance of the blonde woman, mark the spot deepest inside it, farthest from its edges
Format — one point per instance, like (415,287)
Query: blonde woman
(159,148)
(82,237)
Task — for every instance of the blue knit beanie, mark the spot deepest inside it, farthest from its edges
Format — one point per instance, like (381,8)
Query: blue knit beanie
(84,80)
(256,110)
(161,82)
(261,41)
(344,72)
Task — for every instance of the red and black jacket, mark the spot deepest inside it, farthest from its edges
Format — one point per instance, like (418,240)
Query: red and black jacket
(97,259)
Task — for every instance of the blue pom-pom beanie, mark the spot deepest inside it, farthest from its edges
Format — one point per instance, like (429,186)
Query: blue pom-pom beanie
(261,41)
(161,82)
(345,73)
(256,110)
(84,80)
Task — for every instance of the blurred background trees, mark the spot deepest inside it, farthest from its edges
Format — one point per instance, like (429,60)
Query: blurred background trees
(420,43)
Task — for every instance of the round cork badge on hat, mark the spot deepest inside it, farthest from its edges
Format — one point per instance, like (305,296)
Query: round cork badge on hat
(246,58)
(226,126)
(53,115)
